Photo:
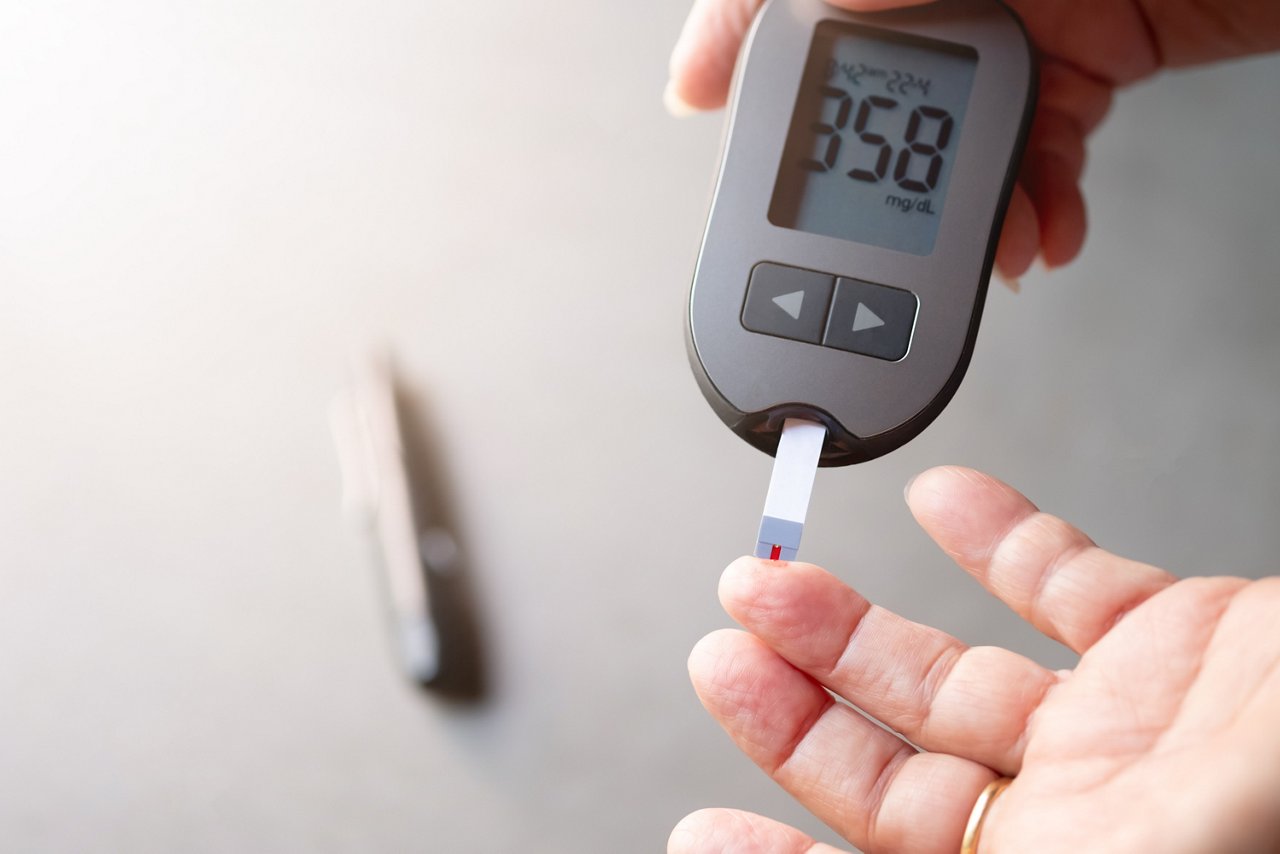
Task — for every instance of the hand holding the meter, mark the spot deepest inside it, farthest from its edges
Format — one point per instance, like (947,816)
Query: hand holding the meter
(1089,48)
(1163,738)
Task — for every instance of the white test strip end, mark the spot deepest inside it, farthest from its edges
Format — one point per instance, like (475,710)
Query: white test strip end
(794,467)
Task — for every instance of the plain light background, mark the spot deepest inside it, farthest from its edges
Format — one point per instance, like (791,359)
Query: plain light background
(204,205)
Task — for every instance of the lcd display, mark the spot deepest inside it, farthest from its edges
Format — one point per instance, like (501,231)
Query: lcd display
(873,137)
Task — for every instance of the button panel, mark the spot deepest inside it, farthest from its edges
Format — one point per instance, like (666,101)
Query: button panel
(817,308)
(788,302)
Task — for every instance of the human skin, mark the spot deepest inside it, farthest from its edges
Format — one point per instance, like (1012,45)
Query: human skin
(1162,738)
(1088,49)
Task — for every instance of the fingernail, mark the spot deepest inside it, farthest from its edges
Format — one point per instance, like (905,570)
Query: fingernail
(676,106)
(906,490)
(1014,285)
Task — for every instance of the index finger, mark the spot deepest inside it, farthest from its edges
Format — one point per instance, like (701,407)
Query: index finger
(971,702)
(703,59)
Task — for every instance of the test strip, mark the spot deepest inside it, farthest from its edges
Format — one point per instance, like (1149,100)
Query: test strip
(790,486)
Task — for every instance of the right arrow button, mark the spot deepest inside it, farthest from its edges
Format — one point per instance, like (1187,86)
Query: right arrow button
(871,319)
(865,318)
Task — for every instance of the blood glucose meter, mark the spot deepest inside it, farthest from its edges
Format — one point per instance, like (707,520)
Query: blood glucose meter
(864,178)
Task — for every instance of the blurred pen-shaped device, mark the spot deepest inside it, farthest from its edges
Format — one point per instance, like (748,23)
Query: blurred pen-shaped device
(379,498)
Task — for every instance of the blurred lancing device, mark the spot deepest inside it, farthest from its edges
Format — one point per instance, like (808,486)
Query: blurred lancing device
(378,497)
(864,179)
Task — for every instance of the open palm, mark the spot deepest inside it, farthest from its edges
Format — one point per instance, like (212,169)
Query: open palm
(1163,738)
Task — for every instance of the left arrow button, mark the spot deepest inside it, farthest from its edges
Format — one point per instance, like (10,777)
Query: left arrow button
(790,303)
(787,302)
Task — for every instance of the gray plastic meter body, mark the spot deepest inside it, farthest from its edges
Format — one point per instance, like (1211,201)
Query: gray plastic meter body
(864,177)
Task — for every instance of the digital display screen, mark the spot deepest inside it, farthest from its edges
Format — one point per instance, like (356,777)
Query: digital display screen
(873,137)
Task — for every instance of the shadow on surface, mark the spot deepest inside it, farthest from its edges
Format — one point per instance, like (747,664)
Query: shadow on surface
(463,677)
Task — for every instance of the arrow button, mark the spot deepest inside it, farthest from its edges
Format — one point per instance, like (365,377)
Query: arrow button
(791,303)
(865,318)
(787,302)
(871,319)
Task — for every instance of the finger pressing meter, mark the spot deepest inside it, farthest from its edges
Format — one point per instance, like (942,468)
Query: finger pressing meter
(865,174)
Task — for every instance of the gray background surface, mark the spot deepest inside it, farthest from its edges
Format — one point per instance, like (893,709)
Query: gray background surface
(205,204)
